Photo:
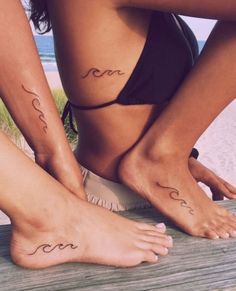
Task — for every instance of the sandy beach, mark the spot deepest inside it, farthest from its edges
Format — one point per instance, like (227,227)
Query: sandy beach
(54,80)
(217,146)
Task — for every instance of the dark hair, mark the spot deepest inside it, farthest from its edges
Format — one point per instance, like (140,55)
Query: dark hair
(39,15)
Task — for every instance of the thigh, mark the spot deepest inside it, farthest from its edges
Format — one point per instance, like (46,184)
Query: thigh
(105,135)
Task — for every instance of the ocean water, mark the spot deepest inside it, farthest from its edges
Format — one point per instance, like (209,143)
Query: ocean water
(201,44)
(46,51)
(45,47)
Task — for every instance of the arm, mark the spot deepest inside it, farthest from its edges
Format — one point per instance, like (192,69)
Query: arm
(24,90)
(215,9)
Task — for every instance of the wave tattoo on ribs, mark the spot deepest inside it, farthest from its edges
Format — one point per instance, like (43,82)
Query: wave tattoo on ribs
(36,105)
(47,248)
(174,195)
(98,73)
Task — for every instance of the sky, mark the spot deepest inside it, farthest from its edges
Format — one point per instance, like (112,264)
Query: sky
(201,27)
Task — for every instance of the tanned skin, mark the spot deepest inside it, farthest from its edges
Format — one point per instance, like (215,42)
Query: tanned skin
(133,144)
(51,225)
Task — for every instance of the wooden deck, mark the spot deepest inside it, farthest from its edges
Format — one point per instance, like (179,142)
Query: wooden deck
(193,264)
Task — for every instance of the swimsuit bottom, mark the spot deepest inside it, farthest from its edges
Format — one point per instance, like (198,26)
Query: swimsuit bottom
(111,195)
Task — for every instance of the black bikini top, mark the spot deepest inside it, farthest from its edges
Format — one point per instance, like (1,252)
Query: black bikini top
(168,54)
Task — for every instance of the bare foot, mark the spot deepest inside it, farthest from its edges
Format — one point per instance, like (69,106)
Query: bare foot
(170,187)
(81,232)
(219,187)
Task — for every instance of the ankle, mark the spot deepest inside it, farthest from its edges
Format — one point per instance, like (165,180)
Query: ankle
(149,162)
(161,153)
(43,218)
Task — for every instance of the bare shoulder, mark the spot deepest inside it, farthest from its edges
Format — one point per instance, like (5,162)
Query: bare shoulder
(205,9)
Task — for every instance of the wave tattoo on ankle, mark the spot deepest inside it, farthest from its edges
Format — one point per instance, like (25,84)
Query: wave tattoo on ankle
(36,104)
(98,73)
(174,194)
(47,248)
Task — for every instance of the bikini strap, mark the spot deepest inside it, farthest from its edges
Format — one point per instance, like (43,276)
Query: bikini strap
(194,154)
(67,112)
(87,107)
(190,37)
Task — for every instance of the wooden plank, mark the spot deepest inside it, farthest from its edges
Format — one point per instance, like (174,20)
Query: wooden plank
(193,264)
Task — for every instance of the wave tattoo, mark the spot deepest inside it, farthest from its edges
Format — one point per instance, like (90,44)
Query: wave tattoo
(98,73)
(36,104)
(47,248)
(174,194)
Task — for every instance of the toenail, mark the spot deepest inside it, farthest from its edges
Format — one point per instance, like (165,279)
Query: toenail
(156,258)
(166,250)
(160,225)
(233,233)
(171,239)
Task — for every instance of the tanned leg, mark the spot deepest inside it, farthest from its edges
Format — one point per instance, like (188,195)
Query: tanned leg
(51,226)
(157,167)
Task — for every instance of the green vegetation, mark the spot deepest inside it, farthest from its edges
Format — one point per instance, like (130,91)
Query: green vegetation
(9,127)
(60,100)
(7,124)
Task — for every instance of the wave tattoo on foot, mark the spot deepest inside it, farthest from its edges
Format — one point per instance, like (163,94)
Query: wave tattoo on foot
(47,248)
(98,73)
(174,194)
(36,104)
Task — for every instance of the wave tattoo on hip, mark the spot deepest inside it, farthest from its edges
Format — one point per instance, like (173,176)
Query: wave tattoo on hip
(36,105)
(47,248)
(98,73)
(174,195)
